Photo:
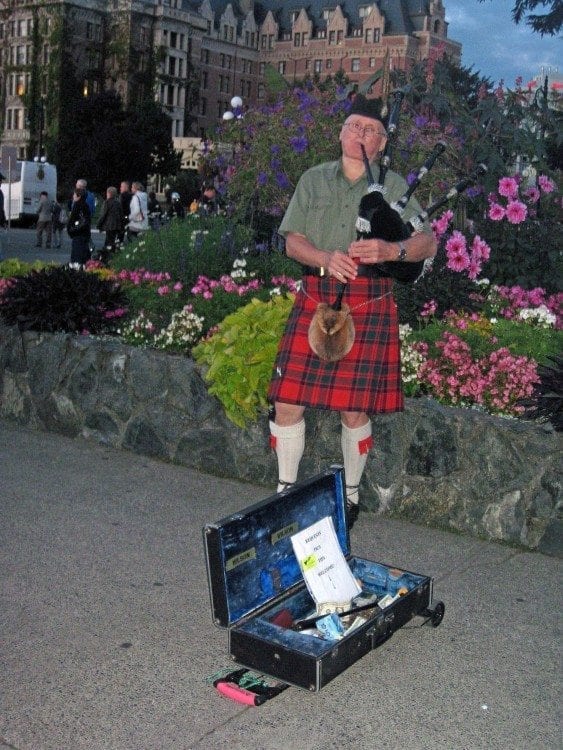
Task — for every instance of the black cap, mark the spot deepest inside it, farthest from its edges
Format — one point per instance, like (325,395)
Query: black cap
(367,107)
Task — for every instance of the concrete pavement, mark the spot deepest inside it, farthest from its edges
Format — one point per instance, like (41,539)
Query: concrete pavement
(18,242)
(106,638)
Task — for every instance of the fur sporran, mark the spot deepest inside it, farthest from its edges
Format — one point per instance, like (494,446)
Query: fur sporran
(331,332)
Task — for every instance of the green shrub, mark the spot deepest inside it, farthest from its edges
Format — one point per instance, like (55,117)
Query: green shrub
(62,299)
(240,356)
(186,249)
(14,267)
(485,337)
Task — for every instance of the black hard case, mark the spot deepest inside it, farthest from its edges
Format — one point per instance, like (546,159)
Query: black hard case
(253,575)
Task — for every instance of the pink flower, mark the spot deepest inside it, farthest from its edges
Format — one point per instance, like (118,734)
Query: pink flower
(508,187)
(163,290)
(532,194)
(429,308)
(516,212)
(496,212)
(178,286)
(480,250)
(547,185)
(456,249)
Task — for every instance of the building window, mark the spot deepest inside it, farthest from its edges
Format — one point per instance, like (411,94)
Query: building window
(328,64)
(171,66)
(332,37)
(173,39)
(369,36)
(261,68)
(281,67)
(204,79)
(372,62)
(318,66)
(297,40)
(355,65)
(271,41)
(365,10)
(376,35)
(339,37)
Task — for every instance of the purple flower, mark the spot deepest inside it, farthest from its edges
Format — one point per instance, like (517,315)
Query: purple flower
(299,144)
(262,179)
(282,180)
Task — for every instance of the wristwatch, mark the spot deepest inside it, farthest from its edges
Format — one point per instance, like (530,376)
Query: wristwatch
(402,251)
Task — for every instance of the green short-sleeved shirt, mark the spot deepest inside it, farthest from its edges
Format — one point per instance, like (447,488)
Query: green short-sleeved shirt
(324,206)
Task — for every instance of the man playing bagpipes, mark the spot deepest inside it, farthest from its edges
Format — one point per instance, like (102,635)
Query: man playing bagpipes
(343,357)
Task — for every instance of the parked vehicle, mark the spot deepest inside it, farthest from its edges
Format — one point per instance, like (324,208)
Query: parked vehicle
(23,185)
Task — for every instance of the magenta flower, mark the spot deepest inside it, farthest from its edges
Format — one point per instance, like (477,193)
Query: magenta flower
(480,250)
(532,194)
(547,185)
(508,187)
(496,212)
(516,212)
(456,249)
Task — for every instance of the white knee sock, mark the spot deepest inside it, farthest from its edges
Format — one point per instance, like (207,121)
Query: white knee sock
(356,443)
(289,444)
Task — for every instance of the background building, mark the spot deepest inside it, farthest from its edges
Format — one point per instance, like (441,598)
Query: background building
(193,56)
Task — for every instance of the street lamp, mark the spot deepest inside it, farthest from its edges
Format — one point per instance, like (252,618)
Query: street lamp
(235,111)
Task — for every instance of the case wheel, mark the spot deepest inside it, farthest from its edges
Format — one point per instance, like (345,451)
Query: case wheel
(435,615)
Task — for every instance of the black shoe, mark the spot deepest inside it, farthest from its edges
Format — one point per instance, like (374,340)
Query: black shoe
(353,511)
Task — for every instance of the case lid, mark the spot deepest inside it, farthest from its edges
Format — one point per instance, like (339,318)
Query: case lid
(250,559)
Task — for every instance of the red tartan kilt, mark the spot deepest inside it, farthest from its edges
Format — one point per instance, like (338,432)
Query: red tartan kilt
(368,378)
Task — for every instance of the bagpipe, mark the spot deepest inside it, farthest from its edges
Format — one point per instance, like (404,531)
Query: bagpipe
(378,219)
(331,333)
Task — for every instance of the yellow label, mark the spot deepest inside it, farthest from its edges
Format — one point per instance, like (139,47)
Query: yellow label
(242,557)
(289,530)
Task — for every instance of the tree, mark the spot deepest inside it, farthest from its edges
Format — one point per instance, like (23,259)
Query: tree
(544,23)
(105,143)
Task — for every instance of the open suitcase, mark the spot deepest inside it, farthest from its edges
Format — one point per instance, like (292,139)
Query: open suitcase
(254,578)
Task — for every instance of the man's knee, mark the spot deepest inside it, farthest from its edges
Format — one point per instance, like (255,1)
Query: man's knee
(288,414)
(354,419)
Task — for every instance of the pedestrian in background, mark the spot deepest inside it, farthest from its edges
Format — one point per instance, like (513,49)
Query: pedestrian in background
(79,228)
(111,222)
(44,221)
(138,211)
(90,197)
(155,211)
(59,218)
(125,196)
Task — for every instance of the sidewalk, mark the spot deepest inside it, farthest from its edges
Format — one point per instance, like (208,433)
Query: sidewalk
(106,637)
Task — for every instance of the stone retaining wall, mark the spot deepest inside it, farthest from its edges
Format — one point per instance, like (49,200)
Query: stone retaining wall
(453,468)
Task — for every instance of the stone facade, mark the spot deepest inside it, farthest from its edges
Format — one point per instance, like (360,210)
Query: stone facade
(197,54)
(452,468)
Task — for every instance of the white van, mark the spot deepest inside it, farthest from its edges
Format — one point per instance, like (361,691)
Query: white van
(23,185)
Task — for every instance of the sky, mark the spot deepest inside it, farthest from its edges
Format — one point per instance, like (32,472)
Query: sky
(497,48)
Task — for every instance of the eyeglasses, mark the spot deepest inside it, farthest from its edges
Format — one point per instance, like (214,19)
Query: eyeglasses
(367,131)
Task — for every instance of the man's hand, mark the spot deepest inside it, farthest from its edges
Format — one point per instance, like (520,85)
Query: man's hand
(372,251)
(342,267)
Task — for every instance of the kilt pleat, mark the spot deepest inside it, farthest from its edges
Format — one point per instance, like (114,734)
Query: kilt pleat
(368,378)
